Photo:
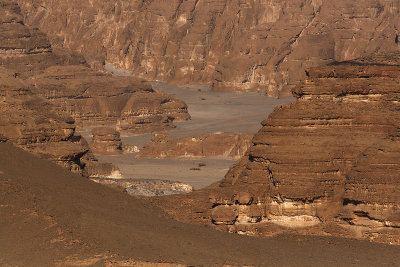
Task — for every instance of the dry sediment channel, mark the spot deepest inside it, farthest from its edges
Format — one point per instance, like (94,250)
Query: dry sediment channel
(90,219)
(210,112)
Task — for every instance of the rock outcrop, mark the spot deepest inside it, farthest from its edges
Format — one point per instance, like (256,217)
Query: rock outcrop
(332,156)
(234,45)
(94,98)
(90,97)
(29,122)
(106,141)
(219,144)
(44,90)
(326,164)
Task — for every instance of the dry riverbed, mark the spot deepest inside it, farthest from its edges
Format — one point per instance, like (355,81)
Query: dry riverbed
(211,112)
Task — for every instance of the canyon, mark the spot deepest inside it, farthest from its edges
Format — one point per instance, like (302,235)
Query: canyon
(124,140)
(47,92)
(53,217)
(326,164)
(239,46)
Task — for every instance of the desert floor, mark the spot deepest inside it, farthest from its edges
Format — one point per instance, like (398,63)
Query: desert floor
(49,217)
(211,112)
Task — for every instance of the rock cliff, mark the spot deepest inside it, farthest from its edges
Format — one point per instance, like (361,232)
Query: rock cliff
(94,98)
(88,96)
(325,164)
(44,90)
(262,45)
(29,122)
(219,144)
(106,141)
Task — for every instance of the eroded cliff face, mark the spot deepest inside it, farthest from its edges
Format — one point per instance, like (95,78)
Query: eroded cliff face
(262,45)
(45,90)
(325,164)
(94,98)
(29,122)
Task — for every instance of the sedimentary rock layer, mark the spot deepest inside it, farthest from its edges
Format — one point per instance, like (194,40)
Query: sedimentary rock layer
(44,90)
(29,122)
(219,144)
(94,98)
(106,141)
(326,164)
(88,96)
(332,155)
(262,45)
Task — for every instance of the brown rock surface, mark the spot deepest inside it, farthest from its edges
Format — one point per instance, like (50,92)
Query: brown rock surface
(230,145)
(31,123)
(94,98)
(326,164)
(235,45)
(51,217)
(88,96)
(106,141)
(42,89)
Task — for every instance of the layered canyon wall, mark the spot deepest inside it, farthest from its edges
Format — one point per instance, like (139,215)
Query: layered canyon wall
(44,91)
(327,164)
(261,45)
(332,157)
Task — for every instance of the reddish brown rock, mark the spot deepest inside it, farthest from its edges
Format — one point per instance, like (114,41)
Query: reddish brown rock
(326,164)
(43,90)
(90,97)
(230,145)
(94,98)
(333,153)
(31,123)
(224,215)
(234,45)
(106,141)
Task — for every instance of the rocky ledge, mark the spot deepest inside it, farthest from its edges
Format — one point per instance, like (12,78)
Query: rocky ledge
(95,98)
(326,164)
(44,91)
(218,144)
(29,122)
(107,141)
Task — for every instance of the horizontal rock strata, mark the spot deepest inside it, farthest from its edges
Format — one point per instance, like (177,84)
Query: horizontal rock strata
(106,141)
(330,156)
(45,90)
(94,98)
(219,144)
(33,124)
(234,45)
(326,164)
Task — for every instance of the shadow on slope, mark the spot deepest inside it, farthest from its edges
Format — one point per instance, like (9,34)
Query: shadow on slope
(49,215)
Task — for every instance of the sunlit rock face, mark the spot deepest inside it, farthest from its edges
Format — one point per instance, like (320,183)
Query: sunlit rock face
(262,45)
(330,158)
(44,91)
(94,98)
